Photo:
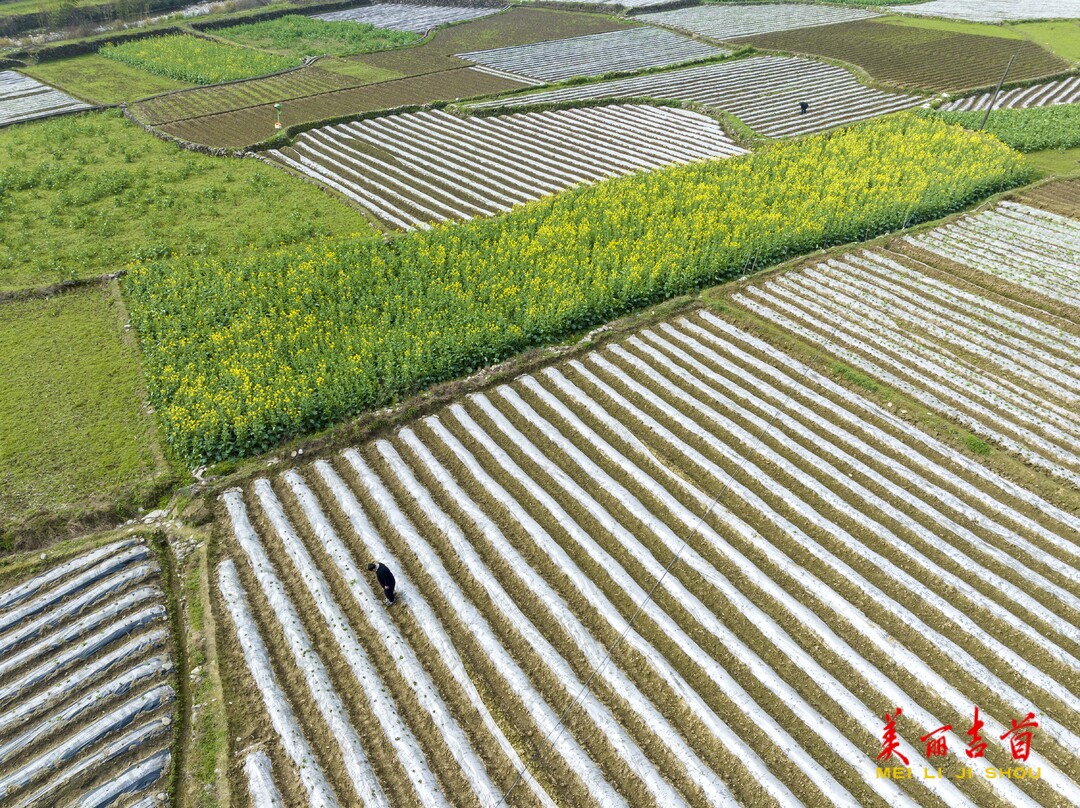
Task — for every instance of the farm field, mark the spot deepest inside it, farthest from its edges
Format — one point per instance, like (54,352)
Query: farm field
(248,125)
(848,566)
(918,58)
(1058,197)
(101,80)
(388,325)
(1009,378)
(618,51)
(24,99)
(835,96)
(1064,91)
(88,194)
(298,36)
(242,114)
(402,17)
(199,61)
(1026,129)
(412,170)
(994,10)
(724,21)
(86,681)
(75,437)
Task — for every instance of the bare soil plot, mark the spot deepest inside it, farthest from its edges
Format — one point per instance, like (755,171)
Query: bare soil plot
(86,681)
(1006,376)
(764,92)
(595,54)
(1059,197)
(1065,91)
(25,99)
(416,169)
(408,17)
(248,125)
(850,566)
(725,21)
(994,10)
(920,58)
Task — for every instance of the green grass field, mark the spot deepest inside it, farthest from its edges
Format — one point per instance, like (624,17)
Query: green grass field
(74,432)
(103,81)
(85,195)
(1063,163)
(295,35)
(199,61)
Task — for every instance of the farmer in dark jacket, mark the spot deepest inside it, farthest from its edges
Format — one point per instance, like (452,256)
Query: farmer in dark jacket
(386,578)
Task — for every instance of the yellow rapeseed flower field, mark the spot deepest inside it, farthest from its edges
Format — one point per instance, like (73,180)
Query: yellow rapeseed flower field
(247,350)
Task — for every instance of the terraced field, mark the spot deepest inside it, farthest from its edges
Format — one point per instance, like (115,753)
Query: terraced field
(725,22)
(847,565)
(1065,91)
(408,17)
(85,682)
(414,169)
(628,50)
(24,99)
(1009,378)
(994,10)
(834,95)
(919,58)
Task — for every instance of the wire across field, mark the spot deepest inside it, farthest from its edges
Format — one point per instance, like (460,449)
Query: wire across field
(416,169)
(628,50)
(1001,374)
(847,565)
(402,17)
(995,10)
(24,99)
(1065,91)
(920,58)
(726,21)
(764,92)
(85,694)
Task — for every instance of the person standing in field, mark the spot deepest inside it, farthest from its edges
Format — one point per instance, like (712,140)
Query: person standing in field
(385,578)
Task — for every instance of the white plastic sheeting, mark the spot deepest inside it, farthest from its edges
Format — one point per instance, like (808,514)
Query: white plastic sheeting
(74,631)
(154,731)
(423,613)
(53,617)
(44,699)
(736,745)
(714,791)
(120,686)
(28,588)
(545,718)
(73,585)
(904,656)
(412,671)
(131,781)
(73,745)
(321,687)
(83,650)
(260,780)
(281,715)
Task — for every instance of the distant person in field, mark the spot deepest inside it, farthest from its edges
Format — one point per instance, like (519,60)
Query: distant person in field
(804,106)
(385,577)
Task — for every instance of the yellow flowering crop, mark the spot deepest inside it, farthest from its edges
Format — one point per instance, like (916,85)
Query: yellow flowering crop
(244,351)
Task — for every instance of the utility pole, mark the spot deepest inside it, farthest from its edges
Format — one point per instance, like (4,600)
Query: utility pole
(993,100)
